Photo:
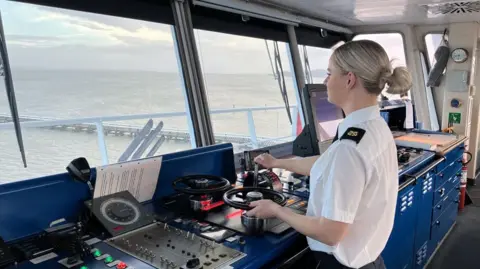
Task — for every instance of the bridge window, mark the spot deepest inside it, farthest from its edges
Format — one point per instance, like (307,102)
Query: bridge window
(92,72)
(244,89)
(432,41)
(393,45)
(315,63)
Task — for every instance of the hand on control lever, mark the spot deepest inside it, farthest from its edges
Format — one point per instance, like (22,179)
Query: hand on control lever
(264,209)
(266,160)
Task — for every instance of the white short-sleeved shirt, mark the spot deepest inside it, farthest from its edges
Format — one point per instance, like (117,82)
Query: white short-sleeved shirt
(357,183)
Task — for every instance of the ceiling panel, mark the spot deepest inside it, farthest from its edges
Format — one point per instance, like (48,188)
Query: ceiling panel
(371,12)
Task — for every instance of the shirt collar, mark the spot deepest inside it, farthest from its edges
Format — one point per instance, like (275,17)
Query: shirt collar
(358,116)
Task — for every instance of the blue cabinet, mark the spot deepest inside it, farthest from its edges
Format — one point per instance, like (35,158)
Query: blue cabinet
(445,201)
(426,210)
(424,194)
(399,249)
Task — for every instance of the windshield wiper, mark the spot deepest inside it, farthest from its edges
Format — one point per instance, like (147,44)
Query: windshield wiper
(7,75)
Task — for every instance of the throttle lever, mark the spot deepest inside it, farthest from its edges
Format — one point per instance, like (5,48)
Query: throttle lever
(255,176)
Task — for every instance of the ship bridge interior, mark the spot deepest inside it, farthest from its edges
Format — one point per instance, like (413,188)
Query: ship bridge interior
(142,104)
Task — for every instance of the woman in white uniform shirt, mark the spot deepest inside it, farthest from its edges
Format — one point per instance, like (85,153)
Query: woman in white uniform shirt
(354,184)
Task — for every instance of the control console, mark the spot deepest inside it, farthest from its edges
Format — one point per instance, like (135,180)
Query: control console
(119,212)
(410,157)
(164,246)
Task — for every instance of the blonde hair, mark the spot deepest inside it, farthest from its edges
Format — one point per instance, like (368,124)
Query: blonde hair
(369,62)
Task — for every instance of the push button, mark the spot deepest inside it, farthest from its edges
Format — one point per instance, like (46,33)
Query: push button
(108,259)
(97,253)
(121,265)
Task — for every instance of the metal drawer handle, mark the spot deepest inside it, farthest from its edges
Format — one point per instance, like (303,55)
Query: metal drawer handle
(440,175)
(437,222)
(442,192)
(439,206)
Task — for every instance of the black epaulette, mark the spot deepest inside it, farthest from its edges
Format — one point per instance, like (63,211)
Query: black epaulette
(354,134)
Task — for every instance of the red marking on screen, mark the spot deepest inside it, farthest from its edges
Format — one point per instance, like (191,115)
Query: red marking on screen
(118,228)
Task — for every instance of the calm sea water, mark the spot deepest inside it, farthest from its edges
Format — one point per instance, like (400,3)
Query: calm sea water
(88,93)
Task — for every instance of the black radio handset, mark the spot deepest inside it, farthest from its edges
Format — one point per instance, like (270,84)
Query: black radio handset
(79,170)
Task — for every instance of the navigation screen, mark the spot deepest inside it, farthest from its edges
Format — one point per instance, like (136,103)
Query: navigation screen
(327,115)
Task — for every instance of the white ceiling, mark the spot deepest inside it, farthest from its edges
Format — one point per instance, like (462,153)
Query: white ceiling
(374,12)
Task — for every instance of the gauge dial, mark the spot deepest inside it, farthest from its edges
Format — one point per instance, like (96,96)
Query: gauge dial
(120,211)
(459,55)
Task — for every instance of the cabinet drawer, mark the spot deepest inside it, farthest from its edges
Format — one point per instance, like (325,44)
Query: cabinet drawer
(439,208)
(449,185)
(455,154)
(440,193)
(453,169)
(441,226)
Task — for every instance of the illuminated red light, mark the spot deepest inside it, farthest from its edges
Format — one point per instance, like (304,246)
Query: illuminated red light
(234,214)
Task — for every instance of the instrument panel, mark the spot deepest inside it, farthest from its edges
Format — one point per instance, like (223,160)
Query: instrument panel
(164,246)
(119,213)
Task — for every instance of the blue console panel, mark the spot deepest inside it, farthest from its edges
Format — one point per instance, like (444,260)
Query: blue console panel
(426,209)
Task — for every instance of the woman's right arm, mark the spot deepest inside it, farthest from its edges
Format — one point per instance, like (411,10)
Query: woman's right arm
(299,165)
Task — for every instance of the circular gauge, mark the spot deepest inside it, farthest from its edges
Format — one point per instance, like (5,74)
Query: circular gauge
(459,55)
(120,211)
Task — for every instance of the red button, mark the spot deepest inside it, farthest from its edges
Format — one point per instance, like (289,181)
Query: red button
(121,265)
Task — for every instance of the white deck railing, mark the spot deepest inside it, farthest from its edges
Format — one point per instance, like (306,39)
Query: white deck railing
(101,127)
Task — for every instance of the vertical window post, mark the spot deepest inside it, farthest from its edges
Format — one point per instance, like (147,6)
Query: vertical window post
(297,70)
(192,74)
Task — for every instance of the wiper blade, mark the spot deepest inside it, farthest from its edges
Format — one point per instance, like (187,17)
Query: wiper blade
(7,74)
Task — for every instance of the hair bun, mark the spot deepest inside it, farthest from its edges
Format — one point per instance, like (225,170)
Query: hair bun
(399,82)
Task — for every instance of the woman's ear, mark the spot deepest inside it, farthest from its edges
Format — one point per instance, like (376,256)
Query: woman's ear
(351,80)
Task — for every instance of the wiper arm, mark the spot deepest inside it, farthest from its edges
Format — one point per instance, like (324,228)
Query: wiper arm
(7,74)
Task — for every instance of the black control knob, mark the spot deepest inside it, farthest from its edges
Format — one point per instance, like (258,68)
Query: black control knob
(193,263)
(403,157)
(254,196)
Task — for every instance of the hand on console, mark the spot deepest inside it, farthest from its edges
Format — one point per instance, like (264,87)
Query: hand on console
(264,209)
(266,160)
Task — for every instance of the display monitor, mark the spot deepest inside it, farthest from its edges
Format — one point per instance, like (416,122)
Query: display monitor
(326,115)
(322,119)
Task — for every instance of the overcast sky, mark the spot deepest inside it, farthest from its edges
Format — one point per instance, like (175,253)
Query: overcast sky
(43,37)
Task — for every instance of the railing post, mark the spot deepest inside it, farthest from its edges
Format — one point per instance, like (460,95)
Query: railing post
(251,129)
(102,146)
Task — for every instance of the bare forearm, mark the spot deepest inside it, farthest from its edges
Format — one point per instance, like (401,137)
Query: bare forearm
(300,166)
(320,229)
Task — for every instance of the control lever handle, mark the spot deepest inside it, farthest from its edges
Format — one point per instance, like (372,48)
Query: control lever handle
(255,176)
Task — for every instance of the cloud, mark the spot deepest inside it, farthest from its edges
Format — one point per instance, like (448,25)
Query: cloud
(39,41)
(111,28)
